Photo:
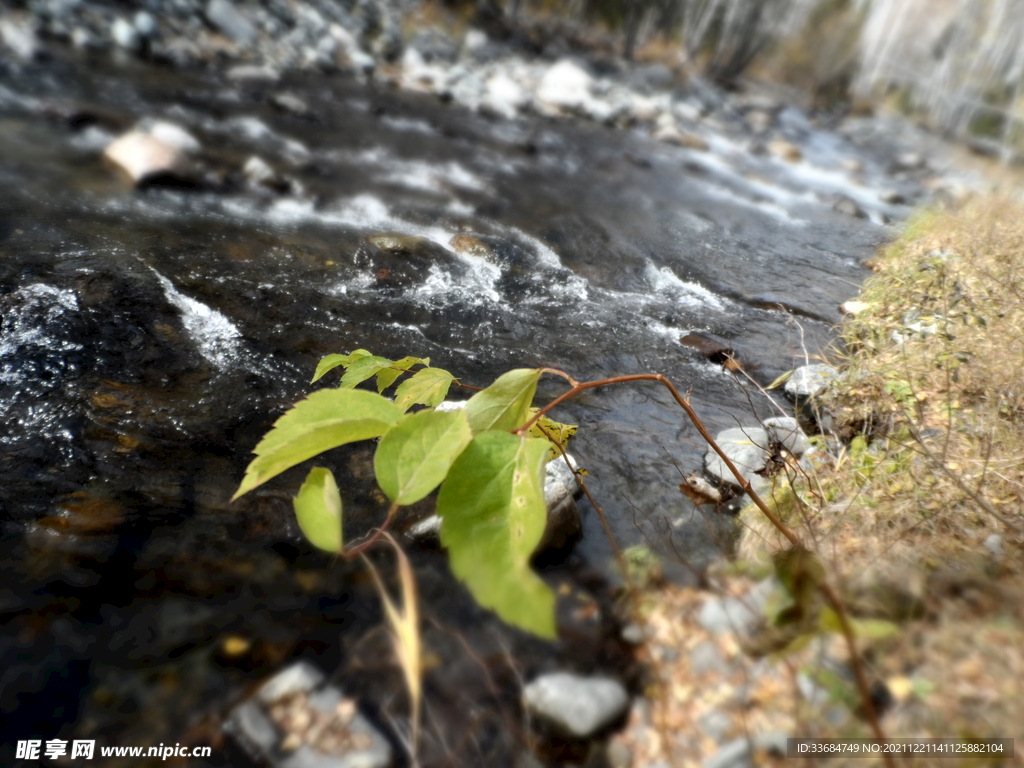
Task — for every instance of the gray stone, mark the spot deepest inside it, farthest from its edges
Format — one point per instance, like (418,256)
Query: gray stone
(810,380)
(257,734)
(706,658)
(249,73)
(729,614)
(714,724)
(786,430)
(20,38)
(633,634)
(145,24)
(125,34)
(575,705)
(300,677)
(746,447)
(223,15)
(738,753)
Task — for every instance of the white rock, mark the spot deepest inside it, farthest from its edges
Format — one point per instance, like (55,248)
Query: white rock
(258,173)
(20,38)
(810,380)
(575,705)
(145,24)
(230,21)
(125,34)
(747,448)
(853,307)
(475,40)
(173,135)
(503,96)
(141,155)
(300,677)
(564,87)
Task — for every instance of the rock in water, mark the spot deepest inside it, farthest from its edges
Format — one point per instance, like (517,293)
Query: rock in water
(157,153)
(786,431)
(575,705)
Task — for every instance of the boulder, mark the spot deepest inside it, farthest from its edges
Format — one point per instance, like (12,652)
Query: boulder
(810,380)
(747,448)
(399,261)
(786,431)
(574,705)
(564,88)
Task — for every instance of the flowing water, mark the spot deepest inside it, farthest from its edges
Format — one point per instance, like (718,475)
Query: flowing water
(149,338)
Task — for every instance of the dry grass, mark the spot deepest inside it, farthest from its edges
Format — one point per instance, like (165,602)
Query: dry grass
(913,502)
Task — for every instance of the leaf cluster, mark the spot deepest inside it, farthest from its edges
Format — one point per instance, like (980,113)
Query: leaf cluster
(487,458)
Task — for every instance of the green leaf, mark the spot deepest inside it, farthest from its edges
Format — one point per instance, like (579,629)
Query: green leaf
(505,405)
(415,455)
(389,376)
(324,420)
(551,430)
(331,362)
(362,369)
(492,519)
(428,386)
(318,510)
(863,629)
(328,364)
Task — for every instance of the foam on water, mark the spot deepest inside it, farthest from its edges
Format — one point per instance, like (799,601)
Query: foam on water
(214,335)
(665,281)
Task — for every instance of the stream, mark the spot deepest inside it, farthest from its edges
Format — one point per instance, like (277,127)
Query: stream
(150,337)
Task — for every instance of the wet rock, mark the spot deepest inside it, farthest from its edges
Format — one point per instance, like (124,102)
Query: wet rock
(295,720)
(810,380)
(848,207)
(714,348)
(564,88)
(125,35)
(786,431)
(399,261)
(785,150)
(434,46)
(747,448)
(575,705)
(156,153)
(228,20)
(260,175)
(758,120)
(19,37)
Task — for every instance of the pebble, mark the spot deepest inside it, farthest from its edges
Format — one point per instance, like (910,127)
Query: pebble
(575,705)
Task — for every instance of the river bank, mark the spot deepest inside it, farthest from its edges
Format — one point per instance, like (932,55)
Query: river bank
(913,503)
